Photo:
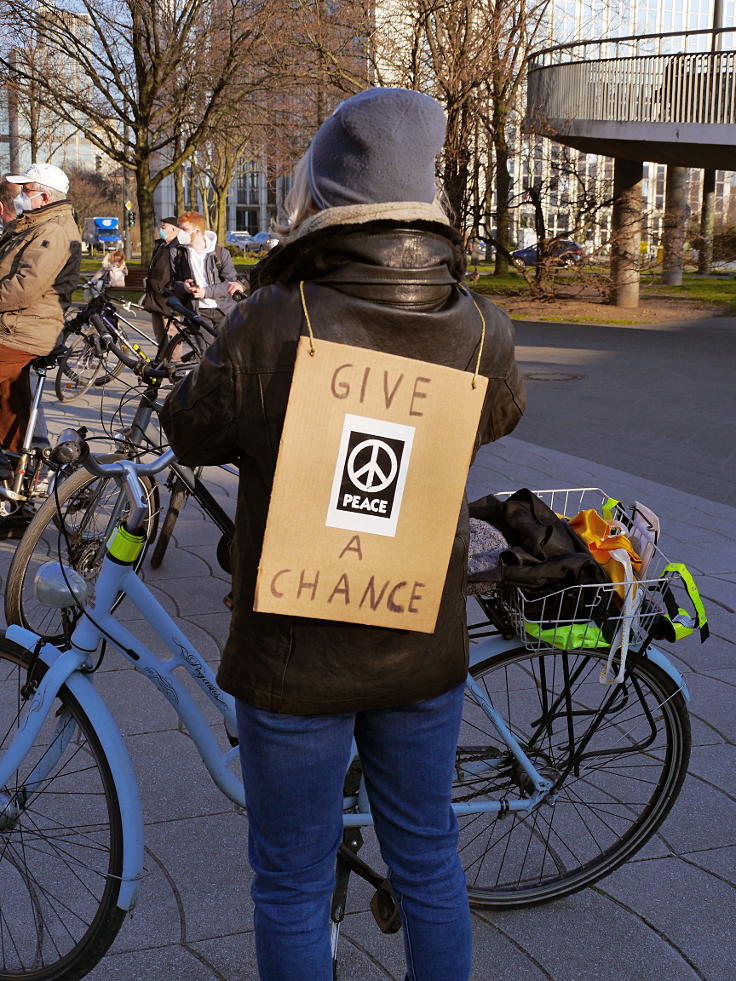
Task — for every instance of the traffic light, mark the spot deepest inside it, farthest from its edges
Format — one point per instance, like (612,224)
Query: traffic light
(131,219)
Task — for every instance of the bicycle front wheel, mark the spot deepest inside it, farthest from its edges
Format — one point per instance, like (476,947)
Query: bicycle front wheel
(78,369)
(90,508)
(61,856)
(179,494)
(613,784)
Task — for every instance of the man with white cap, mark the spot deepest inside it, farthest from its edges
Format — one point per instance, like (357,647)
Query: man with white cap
(40,258)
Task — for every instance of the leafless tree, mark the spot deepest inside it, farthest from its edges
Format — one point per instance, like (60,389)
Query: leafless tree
(35,124)
(144,82)
(471,56)
(586,198)
(92,193)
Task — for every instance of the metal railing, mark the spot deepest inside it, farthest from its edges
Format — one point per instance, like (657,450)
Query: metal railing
(686,77)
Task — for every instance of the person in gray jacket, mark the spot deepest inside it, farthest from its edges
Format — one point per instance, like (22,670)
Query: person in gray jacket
(203,271)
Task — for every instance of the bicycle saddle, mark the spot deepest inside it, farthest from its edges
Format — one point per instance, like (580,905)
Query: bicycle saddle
(49,360)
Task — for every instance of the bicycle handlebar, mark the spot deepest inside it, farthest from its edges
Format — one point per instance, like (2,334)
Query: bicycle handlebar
(189,315)
(72,447)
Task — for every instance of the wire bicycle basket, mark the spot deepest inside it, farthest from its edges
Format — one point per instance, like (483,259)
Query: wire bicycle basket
(612,616)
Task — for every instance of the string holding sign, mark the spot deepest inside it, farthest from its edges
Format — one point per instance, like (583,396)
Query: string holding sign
(312,348)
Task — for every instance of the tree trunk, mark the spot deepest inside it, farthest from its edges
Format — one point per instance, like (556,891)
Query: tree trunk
(707,222)
(453,181)
(220,212)
(541,269)
(503,195)
(144,195)
(205,199)
(178,177)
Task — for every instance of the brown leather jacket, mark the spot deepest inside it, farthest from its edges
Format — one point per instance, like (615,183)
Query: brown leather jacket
(392,289)
(40,258)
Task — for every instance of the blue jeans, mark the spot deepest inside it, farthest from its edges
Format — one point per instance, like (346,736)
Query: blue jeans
(294,767)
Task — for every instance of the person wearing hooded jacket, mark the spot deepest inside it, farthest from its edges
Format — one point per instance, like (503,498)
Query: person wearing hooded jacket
(382,269)
(203,271)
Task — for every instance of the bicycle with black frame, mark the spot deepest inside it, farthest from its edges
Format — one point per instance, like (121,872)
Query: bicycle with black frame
(75,523)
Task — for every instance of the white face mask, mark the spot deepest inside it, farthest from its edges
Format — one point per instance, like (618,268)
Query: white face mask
(185,238)
(23,201)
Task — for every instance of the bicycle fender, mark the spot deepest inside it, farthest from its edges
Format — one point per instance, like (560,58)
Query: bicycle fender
(662,661)
(490,647)
(119,761)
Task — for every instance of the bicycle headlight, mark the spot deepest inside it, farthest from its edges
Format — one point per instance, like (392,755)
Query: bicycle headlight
(59,586)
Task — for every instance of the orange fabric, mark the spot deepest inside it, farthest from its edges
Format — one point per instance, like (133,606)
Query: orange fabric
(596,532)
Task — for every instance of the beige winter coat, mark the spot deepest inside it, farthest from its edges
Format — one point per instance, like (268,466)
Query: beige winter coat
(40,258)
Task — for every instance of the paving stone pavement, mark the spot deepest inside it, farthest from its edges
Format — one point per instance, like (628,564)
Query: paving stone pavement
(668,915)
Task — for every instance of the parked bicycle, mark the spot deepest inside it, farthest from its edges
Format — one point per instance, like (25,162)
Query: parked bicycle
(559,779)
(90,506)
(87,362)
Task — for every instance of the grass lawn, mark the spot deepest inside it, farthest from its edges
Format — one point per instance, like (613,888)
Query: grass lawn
(705,289)
(714,295)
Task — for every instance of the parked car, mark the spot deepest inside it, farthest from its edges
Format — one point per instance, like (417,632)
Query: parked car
(239,238)
(563,252)
(261,242)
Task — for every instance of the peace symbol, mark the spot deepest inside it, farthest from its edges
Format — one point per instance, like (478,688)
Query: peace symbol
(380,469)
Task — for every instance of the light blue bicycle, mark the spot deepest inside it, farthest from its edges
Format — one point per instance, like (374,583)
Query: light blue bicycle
(559,779)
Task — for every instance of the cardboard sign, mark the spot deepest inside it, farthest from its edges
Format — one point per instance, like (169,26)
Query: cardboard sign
(369,480)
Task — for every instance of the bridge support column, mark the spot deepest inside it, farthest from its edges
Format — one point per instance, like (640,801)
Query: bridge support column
(673,239)
(626,232)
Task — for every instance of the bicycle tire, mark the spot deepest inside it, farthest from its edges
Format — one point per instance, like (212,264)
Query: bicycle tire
(87,503)
(183,351)
(61,860)
(591,825)
(77,370)
(179,494)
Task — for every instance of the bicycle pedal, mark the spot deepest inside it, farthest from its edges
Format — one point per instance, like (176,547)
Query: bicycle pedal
(385,909)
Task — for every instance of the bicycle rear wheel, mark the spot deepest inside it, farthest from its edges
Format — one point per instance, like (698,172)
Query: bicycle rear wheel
(91,507)
(61,853)
(601,811)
